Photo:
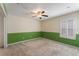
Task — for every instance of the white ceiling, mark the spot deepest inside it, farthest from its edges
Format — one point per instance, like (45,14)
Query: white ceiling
(53,9)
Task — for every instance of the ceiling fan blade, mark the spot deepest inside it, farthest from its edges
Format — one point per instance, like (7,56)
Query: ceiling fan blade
(33,15)
(43,12)
(40,17)
(45,15)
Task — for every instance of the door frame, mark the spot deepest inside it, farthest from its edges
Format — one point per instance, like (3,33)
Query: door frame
(5,33)
(5,24)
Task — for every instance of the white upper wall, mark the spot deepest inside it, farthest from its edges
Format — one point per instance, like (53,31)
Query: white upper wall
(17,24)
(19,17)
(52,25)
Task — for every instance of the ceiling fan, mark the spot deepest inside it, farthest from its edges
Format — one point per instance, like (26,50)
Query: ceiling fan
(36,13)
(39,14)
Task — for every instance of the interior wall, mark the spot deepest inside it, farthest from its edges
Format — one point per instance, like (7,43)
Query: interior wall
(22,28)
(50,28)
(17,24)
(1,28)
(52,24)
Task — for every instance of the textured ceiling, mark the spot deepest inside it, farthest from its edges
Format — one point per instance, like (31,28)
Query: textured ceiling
(52,9)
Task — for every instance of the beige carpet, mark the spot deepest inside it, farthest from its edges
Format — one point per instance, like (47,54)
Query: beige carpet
(40,47)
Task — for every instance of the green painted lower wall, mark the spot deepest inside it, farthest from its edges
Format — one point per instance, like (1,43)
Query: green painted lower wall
(55,36)
(16,37)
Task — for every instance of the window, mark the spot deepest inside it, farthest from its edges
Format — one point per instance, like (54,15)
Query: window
(68,28)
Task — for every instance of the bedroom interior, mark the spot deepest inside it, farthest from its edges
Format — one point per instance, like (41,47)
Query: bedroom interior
(34,25)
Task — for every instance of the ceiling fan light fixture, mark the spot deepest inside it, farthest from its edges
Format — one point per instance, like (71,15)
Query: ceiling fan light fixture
(39,13)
